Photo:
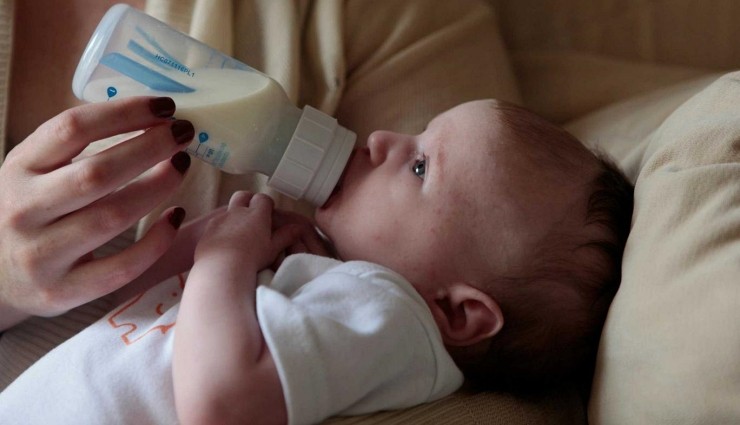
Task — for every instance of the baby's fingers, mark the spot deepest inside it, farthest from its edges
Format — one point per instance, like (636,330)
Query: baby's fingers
(314,243)
(287,238)
(262,202)
(240,199)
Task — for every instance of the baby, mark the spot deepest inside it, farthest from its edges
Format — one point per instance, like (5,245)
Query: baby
(489,245)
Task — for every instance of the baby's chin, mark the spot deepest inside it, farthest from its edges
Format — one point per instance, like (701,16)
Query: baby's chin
(321,220)
(327,214)
(332,198)
(327,242)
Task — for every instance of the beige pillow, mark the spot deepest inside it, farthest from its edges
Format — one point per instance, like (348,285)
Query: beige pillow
(670,352)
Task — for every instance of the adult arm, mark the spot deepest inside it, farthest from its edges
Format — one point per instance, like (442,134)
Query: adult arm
(57,207)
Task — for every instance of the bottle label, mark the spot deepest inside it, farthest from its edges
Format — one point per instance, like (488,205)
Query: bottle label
(208,150)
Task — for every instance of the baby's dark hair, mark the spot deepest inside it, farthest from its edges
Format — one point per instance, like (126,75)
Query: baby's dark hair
(554,311)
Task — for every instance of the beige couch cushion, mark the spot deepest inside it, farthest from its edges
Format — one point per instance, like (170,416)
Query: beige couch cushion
(670,351)
(561,407)
(678,32)
(563,85)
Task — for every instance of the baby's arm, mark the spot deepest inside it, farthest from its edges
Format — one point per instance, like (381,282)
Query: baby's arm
(223,371)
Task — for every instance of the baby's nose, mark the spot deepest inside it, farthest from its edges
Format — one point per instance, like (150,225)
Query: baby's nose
(378,143)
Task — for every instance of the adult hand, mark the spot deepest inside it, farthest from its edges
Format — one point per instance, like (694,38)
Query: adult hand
(57,208)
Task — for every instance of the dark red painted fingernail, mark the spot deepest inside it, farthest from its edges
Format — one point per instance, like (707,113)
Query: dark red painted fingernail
(181,162)
(176,217)
(162,107)
(182,131)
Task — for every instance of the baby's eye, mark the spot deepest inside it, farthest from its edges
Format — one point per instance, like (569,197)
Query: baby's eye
(419,168)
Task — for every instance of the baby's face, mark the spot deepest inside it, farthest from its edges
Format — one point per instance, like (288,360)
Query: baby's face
(426,205)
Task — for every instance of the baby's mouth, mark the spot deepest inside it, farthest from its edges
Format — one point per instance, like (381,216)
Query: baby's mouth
(340,182)
(334,193)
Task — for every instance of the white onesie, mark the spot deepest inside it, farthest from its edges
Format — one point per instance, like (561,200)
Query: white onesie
(347,338)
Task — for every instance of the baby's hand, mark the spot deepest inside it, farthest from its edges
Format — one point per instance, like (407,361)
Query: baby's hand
(243,238)
(309,240)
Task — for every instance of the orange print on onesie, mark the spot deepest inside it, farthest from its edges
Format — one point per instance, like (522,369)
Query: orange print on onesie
(141,315)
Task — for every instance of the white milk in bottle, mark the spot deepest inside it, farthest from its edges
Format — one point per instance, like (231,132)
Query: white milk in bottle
(228,108)
(244,121)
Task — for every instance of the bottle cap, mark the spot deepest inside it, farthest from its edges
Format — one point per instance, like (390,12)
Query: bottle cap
(315,158)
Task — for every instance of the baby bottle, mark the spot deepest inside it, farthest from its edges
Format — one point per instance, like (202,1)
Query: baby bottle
(244,121)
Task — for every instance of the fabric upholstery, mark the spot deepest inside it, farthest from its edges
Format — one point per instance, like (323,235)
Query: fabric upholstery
(670,349)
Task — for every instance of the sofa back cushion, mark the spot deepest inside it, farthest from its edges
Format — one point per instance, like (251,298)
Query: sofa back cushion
(670,351)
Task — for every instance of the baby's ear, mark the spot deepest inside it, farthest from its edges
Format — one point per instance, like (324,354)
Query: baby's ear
(465,315)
